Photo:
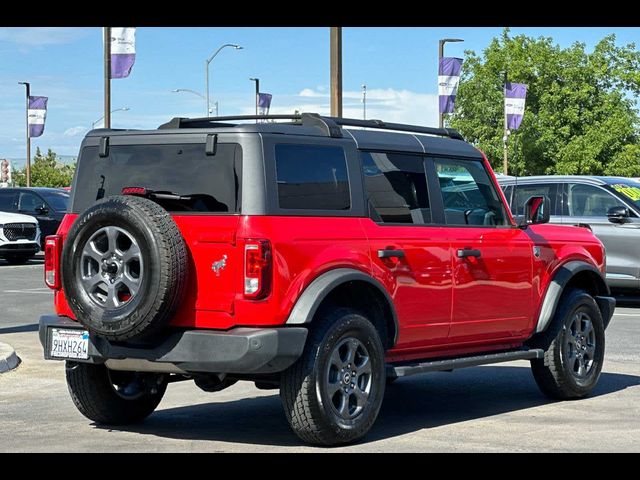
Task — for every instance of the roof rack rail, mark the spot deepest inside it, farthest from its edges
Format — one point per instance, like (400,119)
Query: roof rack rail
(203,122)
(354,122)
(329,125)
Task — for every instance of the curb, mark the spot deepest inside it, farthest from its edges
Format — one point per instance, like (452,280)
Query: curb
(8,358)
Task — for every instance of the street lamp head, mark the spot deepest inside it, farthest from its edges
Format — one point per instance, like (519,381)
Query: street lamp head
(237,47)
(125,109)
(175,90)
(452,40)
(254,79)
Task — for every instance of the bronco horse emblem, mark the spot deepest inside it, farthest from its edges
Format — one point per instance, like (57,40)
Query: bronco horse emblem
(219,265)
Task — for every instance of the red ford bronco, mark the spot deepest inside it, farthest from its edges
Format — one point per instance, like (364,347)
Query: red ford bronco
(310,256)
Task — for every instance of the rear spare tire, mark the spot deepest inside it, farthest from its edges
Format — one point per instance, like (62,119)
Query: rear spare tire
(124,268)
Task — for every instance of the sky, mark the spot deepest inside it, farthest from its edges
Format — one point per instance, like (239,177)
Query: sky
(398,66)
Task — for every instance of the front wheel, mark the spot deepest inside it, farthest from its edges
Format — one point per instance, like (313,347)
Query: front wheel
(333,393)
(572,364)
(113,397)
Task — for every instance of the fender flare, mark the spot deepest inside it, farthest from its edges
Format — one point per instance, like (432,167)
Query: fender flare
(311,298)
(557,286)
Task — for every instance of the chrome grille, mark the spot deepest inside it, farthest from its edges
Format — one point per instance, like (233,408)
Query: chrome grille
(19,231)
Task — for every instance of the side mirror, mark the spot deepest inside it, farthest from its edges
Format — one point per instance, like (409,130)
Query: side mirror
(536,210)
(618,214)
(42,210)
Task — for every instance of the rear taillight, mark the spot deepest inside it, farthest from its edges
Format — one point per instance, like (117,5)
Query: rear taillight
(257,269)
(52,246)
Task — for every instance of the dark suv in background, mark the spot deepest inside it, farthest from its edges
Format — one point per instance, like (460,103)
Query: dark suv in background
(610,206)
(48,205)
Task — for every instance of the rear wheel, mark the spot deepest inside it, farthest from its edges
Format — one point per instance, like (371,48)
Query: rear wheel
(113,397)
(333,393)
(572,364)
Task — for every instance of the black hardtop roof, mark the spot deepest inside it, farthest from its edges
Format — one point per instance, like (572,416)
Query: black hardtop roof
(368,134)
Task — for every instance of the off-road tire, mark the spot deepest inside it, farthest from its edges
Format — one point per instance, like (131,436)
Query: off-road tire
(164,279)
(92,393)
(303,388)
(555,373)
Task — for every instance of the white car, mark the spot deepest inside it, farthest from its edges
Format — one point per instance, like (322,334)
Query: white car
(19,237)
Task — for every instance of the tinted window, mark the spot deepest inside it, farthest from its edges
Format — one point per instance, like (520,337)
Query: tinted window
(207,183)
(7,201)
(590,201)
(396,187)
(57,200)
(469,196)
(312,177)
(29,202)
(525,192)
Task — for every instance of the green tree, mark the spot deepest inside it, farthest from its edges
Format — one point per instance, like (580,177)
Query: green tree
(580,115)
(46,171)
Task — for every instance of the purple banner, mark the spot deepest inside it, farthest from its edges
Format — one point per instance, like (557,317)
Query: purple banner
(448,79)
(37,114)
(514,98)
(264,103)
(123,51)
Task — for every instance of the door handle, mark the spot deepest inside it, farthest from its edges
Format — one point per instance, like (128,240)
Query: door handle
(468,252)
(390,253)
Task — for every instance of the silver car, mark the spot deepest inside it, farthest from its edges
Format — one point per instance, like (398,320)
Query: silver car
(609,205)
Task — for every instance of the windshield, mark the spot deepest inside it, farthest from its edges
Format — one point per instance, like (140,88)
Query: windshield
(57,200)
(628,190)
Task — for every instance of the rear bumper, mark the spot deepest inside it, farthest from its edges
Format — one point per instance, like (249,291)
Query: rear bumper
(19,248)
(239,350)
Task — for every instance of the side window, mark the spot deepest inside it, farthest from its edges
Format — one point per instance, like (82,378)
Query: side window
(7,201)
(468,195)
(508,191)
(396,187)
(312,177)
(524,192)
(29,202)
(590,201)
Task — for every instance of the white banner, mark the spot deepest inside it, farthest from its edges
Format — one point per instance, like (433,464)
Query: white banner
(123,40)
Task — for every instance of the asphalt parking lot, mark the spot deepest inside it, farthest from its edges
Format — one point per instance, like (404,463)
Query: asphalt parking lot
(481,409)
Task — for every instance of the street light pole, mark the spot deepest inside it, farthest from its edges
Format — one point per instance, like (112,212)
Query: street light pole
(206,70)
(28,166)
(257,80)
(440,56)
(107,77)
(364,102)
(123,109)
(505,138)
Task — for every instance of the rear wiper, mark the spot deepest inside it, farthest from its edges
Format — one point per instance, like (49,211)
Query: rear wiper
(155,194)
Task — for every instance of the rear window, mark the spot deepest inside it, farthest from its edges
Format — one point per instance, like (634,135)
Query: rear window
(312,177)
(209,183)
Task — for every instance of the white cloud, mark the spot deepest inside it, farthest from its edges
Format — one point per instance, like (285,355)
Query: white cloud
(401,106)
(38,36)
(75,131)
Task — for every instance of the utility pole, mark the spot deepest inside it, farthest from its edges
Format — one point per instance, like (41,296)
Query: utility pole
(28,166)
(107,77)
(336,71)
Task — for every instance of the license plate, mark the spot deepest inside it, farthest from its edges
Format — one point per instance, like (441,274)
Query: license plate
(69,343)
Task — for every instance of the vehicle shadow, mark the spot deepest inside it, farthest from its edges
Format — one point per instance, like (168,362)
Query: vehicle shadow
(32,327)
(37,260)
(410,404)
